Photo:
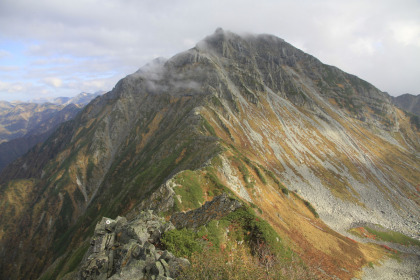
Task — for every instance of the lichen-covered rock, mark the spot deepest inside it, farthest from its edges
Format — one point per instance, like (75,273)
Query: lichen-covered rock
(219,207)
(176,265)
(126,250)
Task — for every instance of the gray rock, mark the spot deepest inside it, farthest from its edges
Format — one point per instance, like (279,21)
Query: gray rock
(136,251)
(177,265)
(219,207)
(157,269)
(165,267)
(122,249)
(163,278)
(167,256)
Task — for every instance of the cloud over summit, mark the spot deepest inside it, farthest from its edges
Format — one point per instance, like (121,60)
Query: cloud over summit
(89,45)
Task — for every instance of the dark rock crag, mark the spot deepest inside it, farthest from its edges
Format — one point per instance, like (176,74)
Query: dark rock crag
(219,207)
(127,250)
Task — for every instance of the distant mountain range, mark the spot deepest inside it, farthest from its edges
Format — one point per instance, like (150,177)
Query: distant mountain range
(408,102)
(80,99)
(25,124)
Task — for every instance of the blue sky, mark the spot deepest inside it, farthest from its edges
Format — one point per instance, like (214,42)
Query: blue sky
(52,48)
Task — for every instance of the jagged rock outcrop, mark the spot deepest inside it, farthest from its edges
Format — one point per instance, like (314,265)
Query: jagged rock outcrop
(219,207)
(122,250)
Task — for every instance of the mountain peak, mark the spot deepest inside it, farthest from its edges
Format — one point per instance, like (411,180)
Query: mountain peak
(247,114)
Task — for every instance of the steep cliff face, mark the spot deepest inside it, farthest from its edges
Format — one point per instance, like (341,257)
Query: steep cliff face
(250,114)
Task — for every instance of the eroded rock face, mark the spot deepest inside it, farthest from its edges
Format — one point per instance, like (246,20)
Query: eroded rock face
(219,207)
(126,250)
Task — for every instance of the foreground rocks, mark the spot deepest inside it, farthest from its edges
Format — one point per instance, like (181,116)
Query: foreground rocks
(127,250)
(122,249)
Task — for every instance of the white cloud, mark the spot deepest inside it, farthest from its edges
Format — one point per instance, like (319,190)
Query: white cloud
(13,87)
(407,33)
(4,53)
(79,42)
(53,81)
(364,46)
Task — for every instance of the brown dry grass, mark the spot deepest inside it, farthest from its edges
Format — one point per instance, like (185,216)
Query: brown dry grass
(152,128)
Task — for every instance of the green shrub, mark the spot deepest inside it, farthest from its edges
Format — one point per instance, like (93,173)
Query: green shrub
(182,243)
(311,208)
(274,178)
(307,204)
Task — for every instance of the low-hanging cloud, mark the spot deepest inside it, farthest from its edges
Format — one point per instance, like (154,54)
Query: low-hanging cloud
(92,40)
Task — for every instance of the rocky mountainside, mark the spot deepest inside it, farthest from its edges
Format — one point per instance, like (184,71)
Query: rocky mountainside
(408,102)
(23,125)
(315,150)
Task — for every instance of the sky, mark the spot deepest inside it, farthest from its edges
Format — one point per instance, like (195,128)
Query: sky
(51,48)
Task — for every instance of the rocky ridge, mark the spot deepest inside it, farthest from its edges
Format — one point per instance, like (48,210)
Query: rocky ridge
(121,249)
(127,250)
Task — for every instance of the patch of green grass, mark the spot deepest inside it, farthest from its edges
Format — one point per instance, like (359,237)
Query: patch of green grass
(216,162)
(260,175)
(256,169)
(190,189)
(213,232)
(392,236)
(259,243)
(76,258)
(243,223)
(208,127)
(244,171)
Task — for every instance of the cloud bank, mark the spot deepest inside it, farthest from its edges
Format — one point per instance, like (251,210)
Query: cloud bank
(61,48)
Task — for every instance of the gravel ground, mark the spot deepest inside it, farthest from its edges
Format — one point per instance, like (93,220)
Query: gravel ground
(406,269)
